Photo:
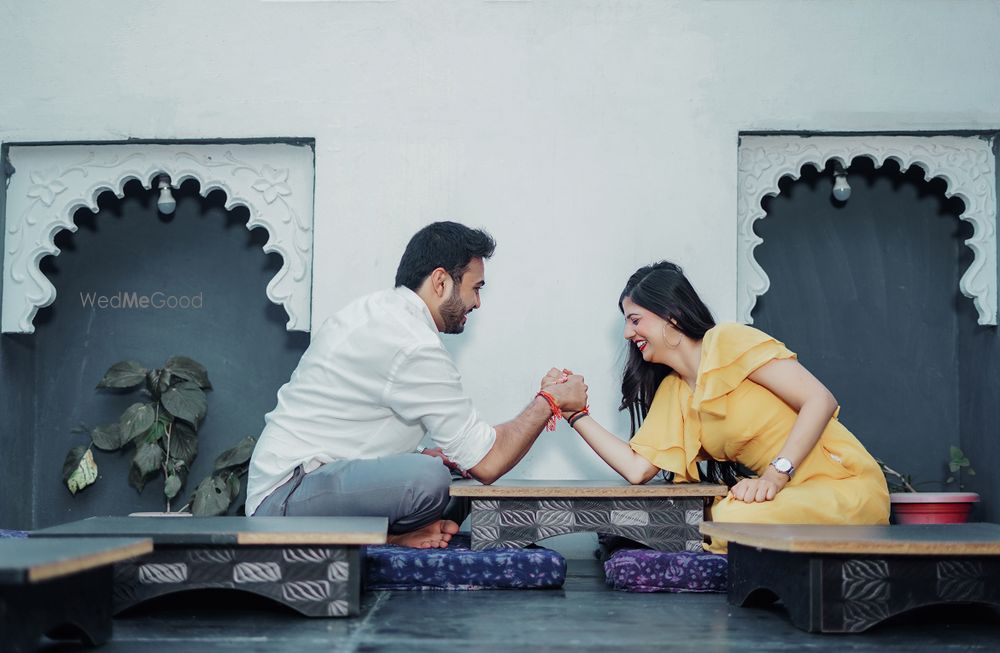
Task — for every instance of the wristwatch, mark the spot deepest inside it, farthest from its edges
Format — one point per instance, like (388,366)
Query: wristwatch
(784,466)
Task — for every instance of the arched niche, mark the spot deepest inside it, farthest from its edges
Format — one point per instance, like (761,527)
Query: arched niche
(48,183)
(966,163)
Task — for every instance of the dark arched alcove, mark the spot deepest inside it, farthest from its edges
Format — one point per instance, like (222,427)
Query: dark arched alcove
(204,257)
(866,293)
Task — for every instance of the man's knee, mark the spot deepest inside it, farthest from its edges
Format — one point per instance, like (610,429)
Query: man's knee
(431,474)
(427,485)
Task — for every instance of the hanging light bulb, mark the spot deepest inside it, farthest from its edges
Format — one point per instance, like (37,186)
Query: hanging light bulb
(841,189)
(166,202)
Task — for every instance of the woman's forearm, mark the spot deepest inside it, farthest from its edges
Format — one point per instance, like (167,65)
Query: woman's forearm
(615,452)
(812,419)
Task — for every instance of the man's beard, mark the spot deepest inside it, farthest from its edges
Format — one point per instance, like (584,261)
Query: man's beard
(452,312)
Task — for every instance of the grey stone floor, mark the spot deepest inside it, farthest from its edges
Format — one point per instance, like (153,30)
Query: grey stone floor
(584,616)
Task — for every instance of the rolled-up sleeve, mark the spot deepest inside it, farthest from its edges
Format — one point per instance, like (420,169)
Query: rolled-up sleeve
(424,386)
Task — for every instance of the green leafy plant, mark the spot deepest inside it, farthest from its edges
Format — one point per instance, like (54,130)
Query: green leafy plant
(958,464)
(163,432)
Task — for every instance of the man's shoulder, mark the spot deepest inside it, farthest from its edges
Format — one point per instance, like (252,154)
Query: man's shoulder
(388,316)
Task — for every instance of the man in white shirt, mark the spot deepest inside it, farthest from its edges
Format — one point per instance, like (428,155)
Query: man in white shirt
(374,381)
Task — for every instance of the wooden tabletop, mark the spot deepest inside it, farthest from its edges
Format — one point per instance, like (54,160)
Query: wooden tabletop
(616,488)
(24,561)
(300,531)
(902,539)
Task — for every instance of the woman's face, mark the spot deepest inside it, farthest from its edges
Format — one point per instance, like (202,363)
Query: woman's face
(649,332)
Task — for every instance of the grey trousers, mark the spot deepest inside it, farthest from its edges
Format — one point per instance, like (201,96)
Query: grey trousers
(411,490)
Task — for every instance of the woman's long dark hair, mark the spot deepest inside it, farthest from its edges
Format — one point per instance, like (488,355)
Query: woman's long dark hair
(662,288)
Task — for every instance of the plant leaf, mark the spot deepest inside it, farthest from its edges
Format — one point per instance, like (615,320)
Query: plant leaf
(171,486)
(79,468)
(233,481)
(135,477)
(235,456)
(179,469)
(185,401)
(136,421)
(189,369)
(163,382)
(148,458)
(211,498)
(953,467)
(970,472)
(183,442)
(126,374)
(107,437)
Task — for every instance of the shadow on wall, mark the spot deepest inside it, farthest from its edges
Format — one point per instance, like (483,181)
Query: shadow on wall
(203,277)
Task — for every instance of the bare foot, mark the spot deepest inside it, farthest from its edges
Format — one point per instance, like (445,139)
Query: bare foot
(433,536)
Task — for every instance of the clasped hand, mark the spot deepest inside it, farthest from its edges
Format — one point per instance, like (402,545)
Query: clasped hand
(568,389)
(758,490)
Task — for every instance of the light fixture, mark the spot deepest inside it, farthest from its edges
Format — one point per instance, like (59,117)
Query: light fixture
(166,202)
(841,189)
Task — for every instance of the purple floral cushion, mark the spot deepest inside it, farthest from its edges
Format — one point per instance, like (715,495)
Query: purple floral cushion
(646,570)
(12,534)
(460,568)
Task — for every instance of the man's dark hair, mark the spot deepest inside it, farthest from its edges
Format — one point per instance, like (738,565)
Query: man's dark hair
(447,245)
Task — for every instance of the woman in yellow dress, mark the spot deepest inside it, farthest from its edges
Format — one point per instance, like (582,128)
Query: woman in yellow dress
(731,395)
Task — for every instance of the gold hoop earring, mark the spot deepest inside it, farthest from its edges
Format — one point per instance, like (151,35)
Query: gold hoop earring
(671,345)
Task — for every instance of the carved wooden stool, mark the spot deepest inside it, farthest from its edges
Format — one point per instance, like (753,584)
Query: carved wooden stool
(58,583)
(515,513)
(846,579)
(311,564)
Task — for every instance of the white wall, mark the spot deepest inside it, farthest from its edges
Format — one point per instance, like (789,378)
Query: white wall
(590,136)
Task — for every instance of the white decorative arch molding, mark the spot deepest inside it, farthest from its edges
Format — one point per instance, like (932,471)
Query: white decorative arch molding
(966,163)
(274,181)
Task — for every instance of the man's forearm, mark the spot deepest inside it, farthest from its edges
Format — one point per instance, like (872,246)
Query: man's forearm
(514,438)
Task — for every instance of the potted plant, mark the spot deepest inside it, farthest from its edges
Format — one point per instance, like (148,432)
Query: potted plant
(163,433)
(912,506)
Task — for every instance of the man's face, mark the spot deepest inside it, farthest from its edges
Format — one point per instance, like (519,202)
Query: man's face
(464,298)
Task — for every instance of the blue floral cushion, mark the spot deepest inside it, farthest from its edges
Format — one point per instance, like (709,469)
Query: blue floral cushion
(12,534)
(645,570)
(460,568)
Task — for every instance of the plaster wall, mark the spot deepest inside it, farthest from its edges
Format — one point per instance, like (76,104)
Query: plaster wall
(590,137)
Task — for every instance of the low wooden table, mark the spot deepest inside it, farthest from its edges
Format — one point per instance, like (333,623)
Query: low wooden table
(515,513)
(311,564)
(846,579)
(47,584)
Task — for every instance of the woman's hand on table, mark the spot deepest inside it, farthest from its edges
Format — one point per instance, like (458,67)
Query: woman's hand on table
(758,490)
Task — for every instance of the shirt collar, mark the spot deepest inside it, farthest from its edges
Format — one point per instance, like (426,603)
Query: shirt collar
(416,306)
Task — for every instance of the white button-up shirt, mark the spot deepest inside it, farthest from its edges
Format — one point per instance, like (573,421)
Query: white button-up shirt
(375,379)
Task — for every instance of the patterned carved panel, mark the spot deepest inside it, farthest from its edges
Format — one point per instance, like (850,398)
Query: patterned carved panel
(664,524)
(967,164)
(319,582)
(274,181)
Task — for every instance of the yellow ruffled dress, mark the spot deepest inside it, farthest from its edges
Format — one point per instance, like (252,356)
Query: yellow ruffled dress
(729,417)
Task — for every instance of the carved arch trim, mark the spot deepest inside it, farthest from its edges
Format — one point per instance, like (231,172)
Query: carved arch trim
(966,163)
(274,181)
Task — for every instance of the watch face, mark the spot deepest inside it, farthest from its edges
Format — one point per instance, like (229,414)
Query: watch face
(782,465)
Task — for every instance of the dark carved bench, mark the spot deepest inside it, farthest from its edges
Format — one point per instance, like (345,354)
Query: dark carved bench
(515,513)
(846,579)
(59,587)
(311,564)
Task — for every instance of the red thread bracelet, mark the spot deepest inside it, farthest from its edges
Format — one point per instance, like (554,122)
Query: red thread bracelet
(554,407)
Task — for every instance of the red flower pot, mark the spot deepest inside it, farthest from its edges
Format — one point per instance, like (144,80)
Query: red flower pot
(932,507)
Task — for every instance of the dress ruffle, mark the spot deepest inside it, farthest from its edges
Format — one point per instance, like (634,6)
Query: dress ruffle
(729,354)
(663,439)
(670,436)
